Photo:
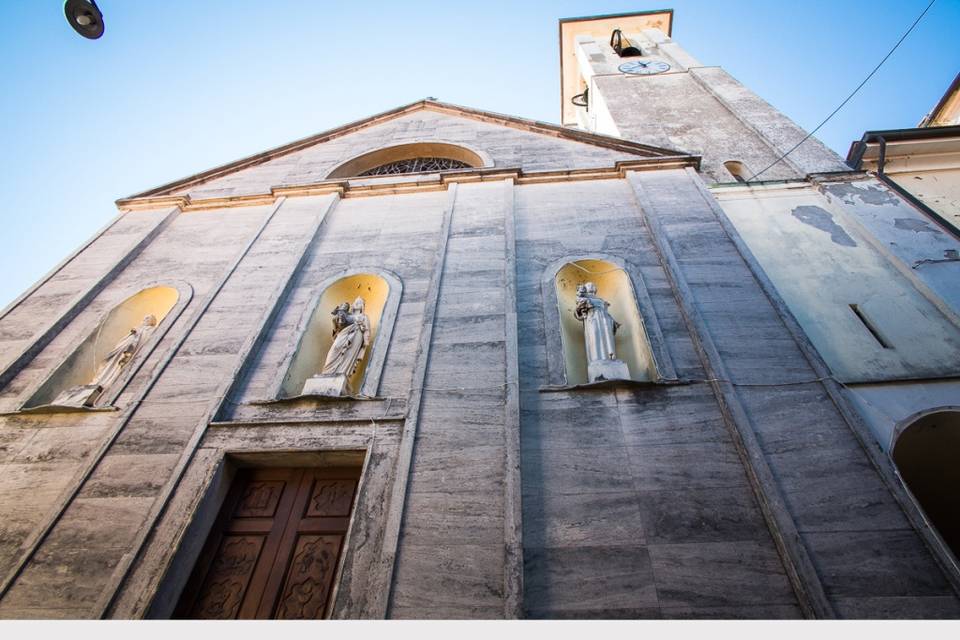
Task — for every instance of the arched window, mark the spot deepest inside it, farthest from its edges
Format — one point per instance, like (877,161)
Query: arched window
(582,286)
(738,170)
(362,306)
(416,165)
(98,368)
(418,157)
(927,455)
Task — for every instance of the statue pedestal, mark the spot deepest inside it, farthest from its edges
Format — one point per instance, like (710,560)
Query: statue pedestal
(599,370)
(333,385)
(84,395)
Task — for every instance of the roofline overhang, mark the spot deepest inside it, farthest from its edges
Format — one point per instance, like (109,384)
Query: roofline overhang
(859,147)
(631,14)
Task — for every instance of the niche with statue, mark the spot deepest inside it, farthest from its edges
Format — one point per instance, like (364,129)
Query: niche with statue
(603,336)
(98,368)
(343,338)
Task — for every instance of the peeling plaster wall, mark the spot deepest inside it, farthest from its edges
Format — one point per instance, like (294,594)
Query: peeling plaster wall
(901,231)
(938,189)
(821,263)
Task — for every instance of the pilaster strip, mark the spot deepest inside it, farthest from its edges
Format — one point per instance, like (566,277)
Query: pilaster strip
(84,474)
(797,561)
(394,518)
(512,498)
(120,572)
(280,297)
(880,461)
(746,123)
(112,591)
(82,300)
(30,544)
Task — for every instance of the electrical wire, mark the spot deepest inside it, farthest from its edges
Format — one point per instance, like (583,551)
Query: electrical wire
(860,86)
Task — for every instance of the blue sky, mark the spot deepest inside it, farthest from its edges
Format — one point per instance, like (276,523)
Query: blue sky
(176,87)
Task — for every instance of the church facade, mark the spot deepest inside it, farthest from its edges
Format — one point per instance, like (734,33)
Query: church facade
(446,363)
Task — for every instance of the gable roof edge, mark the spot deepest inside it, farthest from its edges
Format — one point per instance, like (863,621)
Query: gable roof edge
(596,139)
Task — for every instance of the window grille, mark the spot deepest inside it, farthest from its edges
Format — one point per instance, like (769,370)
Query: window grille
(416,165)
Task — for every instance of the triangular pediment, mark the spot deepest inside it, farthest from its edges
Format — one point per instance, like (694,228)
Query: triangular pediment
(502,141)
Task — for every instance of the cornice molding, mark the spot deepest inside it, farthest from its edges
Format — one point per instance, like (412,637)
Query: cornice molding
(388,185)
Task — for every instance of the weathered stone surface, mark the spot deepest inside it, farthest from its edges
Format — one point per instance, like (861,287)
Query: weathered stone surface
(654,501)
(589,582)
(719,574)
(877,564)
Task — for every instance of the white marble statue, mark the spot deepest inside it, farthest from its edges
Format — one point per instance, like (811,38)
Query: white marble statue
(351,339)
(109,370)
(599,329)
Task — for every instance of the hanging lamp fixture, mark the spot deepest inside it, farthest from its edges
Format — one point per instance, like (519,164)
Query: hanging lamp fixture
(85,17)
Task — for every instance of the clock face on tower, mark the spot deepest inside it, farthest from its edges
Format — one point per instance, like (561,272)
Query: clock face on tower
(644,67)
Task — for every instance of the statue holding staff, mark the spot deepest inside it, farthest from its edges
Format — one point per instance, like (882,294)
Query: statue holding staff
(599,331)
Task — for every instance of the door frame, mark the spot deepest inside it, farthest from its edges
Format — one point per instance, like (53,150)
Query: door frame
(215,493)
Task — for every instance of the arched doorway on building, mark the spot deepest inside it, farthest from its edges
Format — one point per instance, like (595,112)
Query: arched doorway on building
(927,455)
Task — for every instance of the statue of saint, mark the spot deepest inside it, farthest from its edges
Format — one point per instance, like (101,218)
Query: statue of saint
(351,337)
(109,370)
(599,329)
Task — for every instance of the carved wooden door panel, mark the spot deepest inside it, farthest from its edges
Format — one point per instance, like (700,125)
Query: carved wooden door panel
(274,550)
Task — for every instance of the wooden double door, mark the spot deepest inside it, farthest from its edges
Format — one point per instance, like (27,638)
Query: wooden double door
(275,548)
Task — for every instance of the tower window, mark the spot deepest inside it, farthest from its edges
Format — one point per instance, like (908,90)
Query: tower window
(738,170)
(623,46)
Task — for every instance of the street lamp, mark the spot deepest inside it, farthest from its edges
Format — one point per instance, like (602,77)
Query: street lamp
(85,17)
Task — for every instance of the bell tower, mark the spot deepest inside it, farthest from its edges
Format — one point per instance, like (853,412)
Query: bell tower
(623,75)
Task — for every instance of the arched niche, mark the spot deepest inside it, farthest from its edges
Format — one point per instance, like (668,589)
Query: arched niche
(358,165)
(381,294)
(738,170)
(927,455)
(90,356)
(632,341)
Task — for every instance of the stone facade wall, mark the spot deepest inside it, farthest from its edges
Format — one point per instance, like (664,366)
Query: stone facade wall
(738,488)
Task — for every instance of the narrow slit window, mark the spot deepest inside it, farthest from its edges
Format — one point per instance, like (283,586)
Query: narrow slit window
(865,321)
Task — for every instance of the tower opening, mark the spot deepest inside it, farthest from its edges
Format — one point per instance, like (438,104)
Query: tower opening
(738,170)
